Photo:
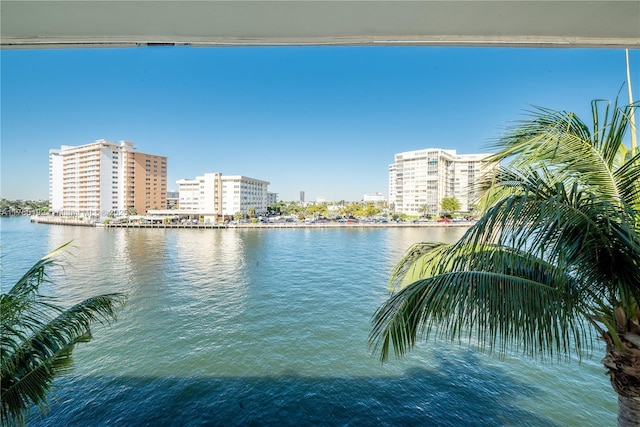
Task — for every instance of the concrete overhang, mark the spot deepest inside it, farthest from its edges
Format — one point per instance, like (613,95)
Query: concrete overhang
(28,24)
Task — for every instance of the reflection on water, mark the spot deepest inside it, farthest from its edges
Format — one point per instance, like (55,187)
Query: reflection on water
(269,327)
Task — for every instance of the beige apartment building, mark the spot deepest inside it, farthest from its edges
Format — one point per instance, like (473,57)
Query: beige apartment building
(105,179)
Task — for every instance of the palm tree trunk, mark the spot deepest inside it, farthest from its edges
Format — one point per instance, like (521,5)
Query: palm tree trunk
(628,411)
(623,368)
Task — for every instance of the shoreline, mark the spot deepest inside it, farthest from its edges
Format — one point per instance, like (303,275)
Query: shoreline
(77,223)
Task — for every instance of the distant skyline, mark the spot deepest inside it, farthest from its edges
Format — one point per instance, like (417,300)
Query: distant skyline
(323,120)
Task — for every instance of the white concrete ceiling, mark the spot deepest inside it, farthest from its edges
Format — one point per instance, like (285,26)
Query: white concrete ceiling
(53,23)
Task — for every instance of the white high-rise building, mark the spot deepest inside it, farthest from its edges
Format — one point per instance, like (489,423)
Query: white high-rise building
(215,195)
(105,178)
(56,183)
(419,180)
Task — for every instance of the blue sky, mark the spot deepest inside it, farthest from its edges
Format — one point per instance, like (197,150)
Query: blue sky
(326,120)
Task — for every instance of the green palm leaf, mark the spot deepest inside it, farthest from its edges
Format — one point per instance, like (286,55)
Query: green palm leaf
(513,301)
(37,337)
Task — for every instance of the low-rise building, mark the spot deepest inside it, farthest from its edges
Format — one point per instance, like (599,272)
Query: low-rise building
(215,196)
(373,197)
(272,198)
(240,193)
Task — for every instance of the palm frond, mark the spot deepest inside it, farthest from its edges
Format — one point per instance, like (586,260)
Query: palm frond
(23,304)
(28,284)
(597,238)
(412,265)
(494,297)
(628,178)
(520,277)
(37,337)
(560,142)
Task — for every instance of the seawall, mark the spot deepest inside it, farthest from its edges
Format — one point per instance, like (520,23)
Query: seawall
(64,221)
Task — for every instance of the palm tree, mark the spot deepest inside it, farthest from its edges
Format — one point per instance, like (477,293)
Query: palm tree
(37,337)
(553,263)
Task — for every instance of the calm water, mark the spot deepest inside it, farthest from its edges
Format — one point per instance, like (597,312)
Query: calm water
(269,327)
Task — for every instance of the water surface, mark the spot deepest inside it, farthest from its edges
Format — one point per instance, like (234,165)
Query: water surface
(269,327)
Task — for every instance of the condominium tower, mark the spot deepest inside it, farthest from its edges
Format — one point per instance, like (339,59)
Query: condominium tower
(419,180)
(106,178)
(215,195)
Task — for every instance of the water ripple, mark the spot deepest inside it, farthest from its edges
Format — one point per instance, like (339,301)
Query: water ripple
(269,327)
